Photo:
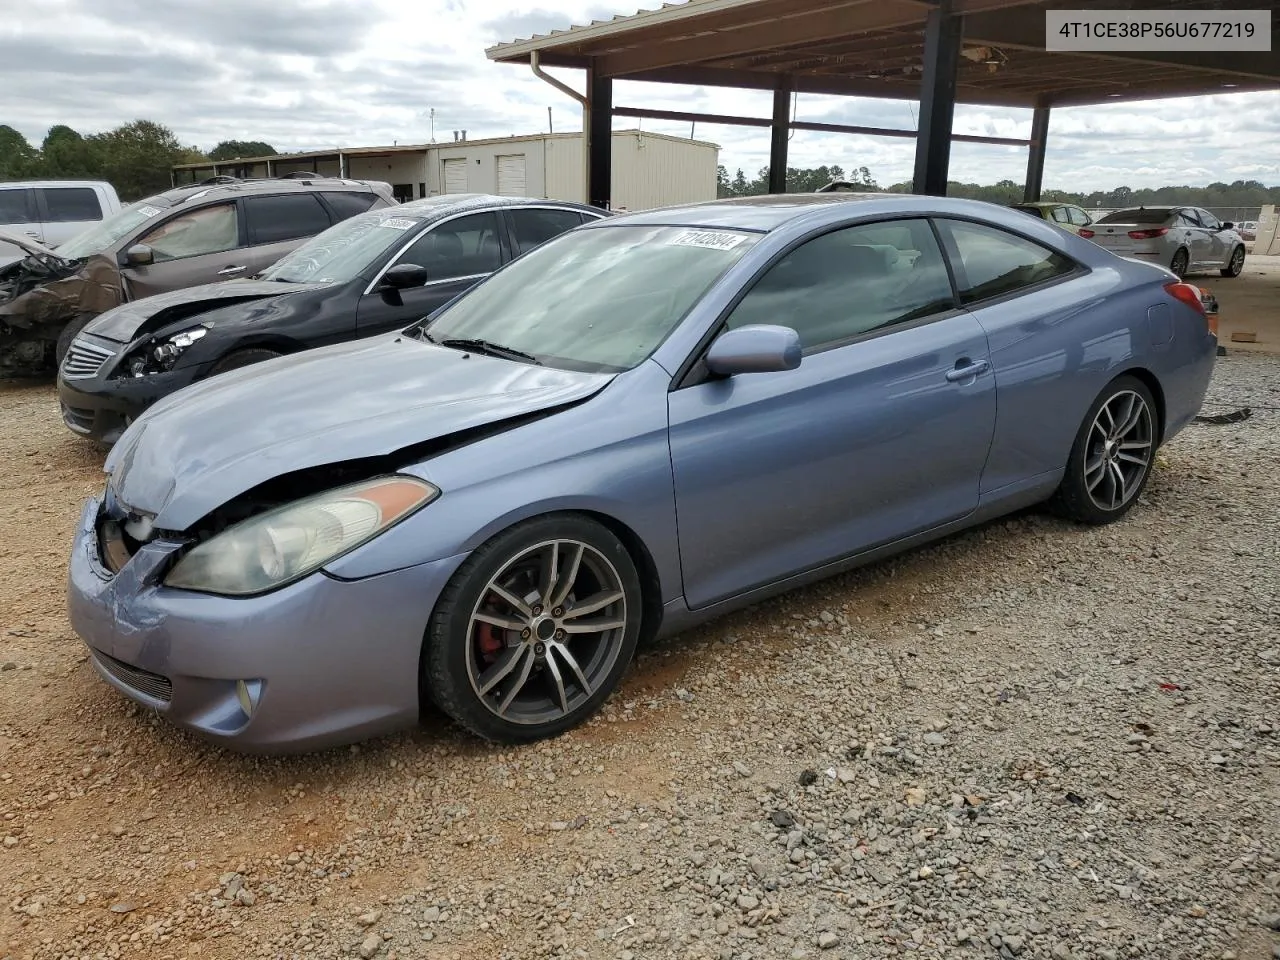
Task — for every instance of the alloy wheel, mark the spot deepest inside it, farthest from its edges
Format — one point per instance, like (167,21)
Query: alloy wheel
(1237,262)
(1119,449)
(546,632)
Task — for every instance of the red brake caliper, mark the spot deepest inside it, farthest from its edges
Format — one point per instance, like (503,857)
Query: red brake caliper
(488,641)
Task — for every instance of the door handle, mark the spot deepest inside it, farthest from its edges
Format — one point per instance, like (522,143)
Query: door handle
(230,271)
(968,371)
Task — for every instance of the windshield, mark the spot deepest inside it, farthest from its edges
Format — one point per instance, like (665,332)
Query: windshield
(599,300)
(343,251)
(1153,215)
(103,235)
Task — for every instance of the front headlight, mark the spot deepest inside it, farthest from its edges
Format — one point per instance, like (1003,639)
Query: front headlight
(285,544)
(157,357)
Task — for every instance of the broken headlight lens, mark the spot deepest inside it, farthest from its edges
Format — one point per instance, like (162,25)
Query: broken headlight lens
(285,544)
(157,357)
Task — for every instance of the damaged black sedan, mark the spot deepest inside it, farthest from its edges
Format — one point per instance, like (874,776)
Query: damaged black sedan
(367,275)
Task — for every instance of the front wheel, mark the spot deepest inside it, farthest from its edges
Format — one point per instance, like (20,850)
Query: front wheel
(1111,458)
(68,334)
(534,630)
(242,358)
(1235,266)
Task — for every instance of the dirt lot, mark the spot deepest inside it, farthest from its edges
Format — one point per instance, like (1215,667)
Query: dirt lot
(1032,740)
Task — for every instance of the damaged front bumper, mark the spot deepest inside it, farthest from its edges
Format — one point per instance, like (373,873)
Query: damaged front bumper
(39,296)
(97,403)
(319,663)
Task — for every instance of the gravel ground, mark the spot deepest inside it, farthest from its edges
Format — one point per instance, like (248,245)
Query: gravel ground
(1033,740)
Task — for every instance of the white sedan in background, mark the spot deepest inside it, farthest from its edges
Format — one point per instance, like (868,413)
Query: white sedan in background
(1184,239)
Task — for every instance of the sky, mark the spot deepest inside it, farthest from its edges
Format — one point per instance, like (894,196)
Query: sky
(318,74)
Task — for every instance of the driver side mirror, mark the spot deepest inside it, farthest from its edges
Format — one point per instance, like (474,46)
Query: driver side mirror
(403,276)
(139,255)
(755,348)
(1228,225)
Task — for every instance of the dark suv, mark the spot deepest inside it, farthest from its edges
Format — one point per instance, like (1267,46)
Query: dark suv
(191,235)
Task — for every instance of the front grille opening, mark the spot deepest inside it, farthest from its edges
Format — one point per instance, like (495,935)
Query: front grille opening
(148,684)
(84,360)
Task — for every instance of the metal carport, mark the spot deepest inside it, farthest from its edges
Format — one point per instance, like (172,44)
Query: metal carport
(937,51)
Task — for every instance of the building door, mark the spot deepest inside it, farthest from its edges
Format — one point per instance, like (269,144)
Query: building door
(455,176)
(511,182)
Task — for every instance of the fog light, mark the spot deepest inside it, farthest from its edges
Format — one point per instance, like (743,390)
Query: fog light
(248,693)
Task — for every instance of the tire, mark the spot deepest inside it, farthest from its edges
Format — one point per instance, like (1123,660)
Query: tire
(1181,262)
(473,648)
(69,333)
(242,358)
(1087,496)
(1235,266)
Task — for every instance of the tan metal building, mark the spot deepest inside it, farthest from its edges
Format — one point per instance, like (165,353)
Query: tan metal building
(650,169)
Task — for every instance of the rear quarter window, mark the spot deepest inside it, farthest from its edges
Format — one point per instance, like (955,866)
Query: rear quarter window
(995,263)
(344,204)
(288,216)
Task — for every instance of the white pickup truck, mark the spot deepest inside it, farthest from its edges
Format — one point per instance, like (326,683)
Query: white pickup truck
(51,211)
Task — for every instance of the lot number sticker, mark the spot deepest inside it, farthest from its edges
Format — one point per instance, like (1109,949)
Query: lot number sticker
(397,223)
(149,211)
(711,239)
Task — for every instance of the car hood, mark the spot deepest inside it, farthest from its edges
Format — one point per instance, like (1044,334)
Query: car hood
(27,245)
(200,447)
(124,323)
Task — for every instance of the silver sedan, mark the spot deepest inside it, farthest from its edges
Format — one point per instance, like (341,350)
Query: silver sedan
(1184,239)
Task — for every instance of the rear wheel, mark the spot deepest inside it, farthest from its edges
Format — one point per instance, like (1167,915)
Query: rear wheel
(1111,458)
(1181,262)
(534,630)
(1235,266)
(242,358)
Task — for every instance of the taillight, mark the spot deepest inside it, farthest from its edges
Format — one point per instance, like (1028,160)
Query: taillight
(1194,297)
(1087,234)
(1148,234)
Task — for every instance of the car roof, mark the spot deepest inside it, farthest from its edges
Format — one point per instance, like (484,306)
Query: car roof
(227,187)
(448,204)
(772,211)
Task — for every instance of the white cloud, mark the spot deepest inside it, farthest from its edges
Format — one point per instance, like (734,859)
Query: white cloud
(304,74)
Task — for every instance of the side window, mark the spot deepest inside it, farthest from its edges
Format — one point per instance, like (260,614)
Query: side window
(17,206)
(196,232)
(1060,215)
(288,216)
(995,263)
(852,281)
(346,205)
(71,204)
(1079,217)
(464,247)
(535,227)
(1209,220)
(1188,218)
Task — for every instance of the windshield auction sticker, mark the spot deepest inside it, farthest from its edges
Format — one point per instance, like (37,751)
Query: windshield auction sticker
(711,239)
(149,211)
(397,223)
(1165,30)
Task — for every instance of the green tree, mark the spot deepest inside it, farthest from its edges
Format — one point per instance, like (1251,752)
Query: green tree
(241,149)
(723,187)
(136,157)
(66,154)
(18,159)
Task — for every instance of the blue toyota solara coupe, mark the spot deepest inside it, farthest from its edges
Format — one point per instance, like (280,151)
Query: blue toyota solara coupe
(650,420)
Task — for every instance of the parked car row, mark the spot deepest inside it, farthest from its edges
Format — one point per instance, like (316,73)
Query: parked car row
(615,427)
(176,239)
